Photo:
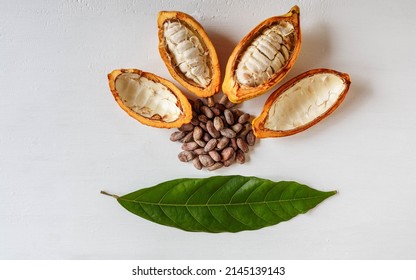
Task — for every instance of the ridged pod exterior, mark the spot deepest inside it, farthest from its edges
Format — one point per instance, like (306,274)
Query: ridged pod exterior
(237,92)
(182,103)
(342,86)
(189,22)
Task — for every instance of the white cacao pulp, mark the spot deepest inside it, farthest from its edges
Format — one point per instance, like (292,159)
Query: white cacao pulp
(188,53)
(305,101)
(266,55)
(147,98)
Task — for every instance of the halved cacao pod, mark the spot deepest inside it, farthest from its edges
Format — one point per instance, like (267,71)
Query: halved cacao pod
(301,102)
(149,98)
(188,53)
(263,57)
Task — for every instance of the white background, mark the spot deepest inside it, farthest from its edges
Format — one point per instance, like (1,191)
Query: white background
(63,138)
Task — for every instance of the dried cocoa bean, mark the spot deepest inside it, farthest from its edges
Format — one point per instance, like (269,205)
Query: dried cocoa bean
(247,128)
(242,144)
(206,137)
(203,118)
(177,135)
(237,127)
(222,143)
(186,156)
(233,144)
(229,161)
(215,155)
(206,160)
(240,156)
(197,163)
(203,126)
(200,142)
(211,130)
(228,132)
(207,112)
(220,107)
(198,132)
(188,137)
(195,121)
(210,101)
(190,146)
(223,100)
(218,123)
(237,113)
(197,105)
(200,151)
(244,118)
(210,145)
(216,111)
(251,138)
(215,166)
(227,153)
(186,127)
(229,117)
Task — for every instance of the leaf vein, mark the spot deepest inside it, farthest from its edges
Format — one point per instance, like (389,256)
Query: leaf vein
(238,220)
(223,204)
(197,219)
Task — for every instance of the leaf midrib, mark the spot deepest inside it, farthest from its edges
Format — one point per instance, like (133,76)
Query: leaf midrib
(228,204)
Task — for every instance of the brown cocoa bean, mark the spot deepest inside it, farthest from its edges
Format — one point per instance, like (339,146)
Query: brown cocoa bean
(229,161)
(207,112)
(190,146)
(215,166)
(177,135)
(203,126)
(210,101)
(197,163)
(200,151)
(188,137)
(233,144)
(210,145)
(195,121)
(186,156)
(242,144)
(206,160)
(206,137)
(237,113)
(200,142)
(222,143)
(216,111)
(186,127)
(244,118)
(215,155)
(228,132)
(229,117)
(240,156)
(227,153)
(220,107)
(198,132)
(211,130)
(197,105)
(223,100)
(203,118)
(237,127)
(251,138)
(245,130)
(218,123)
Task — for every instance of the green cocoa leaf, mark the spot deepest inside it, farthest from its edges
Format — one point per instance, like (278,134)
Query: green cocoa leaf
(222,203)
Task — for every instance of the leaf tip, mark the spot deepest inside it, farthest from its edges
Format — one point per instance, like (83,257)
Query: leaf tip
(331,193)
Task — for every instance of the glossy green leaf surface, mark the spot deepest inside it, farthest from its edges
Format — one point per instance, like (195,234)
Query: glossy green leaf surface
(222,203)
